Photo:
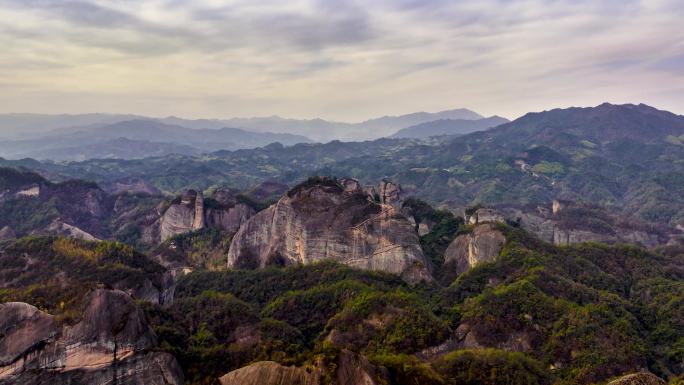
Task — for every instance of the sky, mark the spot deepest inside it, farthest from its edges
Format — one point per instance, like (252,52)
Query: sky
(342,60)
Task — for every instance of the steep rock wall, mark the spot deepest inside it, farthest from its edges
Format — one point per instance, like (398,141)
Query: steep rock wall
(326,220)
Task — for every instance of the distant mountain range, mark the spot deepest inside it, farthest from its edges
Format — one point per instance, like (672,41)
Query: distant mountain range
(323,131)
(140,138)
(90,136)
(449,127)
(627,157)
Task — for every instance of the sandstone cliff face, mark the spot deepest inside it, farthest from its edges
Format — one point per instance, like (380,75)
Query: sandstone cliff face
(351,369)
(190,214)
(467,250)
(111,344)
(326,220)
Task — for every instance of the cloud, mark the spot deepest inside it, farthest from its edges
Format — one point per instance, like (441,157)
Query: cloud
(343,59)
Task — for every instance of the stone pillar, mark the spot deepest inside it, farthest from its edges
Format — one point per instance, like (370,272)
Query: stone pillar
(198,222)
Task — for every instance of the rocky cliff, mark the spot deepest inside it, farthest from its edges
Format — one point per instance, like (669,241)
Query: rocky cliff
(192,213)
(483,244)
(325,219)
(112,344)
(567,223)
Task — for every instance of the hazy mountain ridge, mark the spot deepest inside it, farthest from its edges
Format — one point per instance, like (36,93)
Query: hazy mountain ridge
(25,126)
(449,127)
(141,138)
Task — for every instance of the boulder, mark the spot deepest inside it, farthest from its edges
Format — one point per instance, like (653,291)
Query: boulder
(321,220)
(483,244)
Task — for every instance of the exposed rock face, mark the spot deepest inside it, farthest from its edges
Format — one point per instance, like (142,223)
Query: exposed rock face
(389,193)
(350,185)
(32,191)
(643,378)
(198,220)
(561,226)
(22,327)
(467,250)
(178,218)
(58,227)
(230,214)
(191,214)
(111,344)
(371,193)
(324,220)
(484,215)
(7,233)
(352,369)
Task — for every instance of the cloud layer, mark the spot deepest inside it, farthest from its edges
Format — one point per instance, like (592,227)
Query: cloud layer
(339,59)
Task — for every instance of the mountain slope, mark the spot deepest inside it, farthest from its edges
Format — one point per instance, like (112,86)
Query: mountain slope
(448,127)
(627,158)
(120,148)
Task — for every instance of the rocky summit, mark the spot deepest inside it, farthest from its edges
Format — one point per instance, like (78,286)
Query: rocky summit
(326,219)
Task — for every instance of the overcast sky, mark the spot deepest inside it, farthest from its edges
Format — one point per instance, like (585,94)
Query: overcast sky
(342,60)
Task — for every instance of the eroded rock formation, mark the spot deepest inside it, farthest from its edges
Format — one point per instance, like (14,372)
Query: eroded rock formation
(110,345)
(569,223)
(324,219)
(191,214)
(483,244)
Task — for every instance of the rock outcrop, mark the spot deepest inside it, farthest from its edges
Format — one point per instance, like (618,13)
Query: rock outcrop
(58,227)
(389,193)
(483,244)
(192,213)
(198,220)
(323,219)
(351,369)
(484,215)
(110,345)
(643,378)
(569,223)
(7,233)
